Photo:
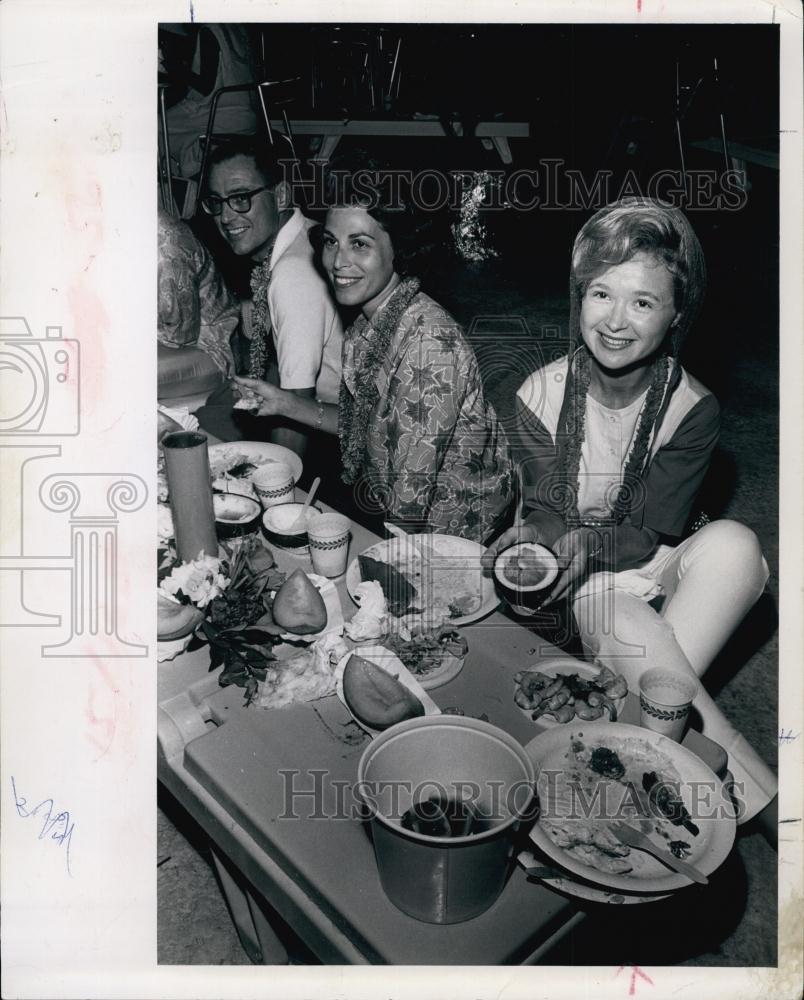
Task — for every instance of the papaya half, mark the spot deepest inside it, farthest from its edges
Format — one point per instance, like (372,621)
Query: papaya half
(298,607)
(375,697)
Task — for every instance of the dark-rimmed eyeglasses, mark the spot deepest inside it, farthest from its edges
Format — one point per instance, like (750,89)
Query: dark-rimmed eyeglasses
(239,202)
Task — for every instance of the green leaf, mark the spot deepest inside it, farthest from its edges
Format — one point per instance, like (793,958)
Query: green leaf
(216,657)
(258,636)
(251,690)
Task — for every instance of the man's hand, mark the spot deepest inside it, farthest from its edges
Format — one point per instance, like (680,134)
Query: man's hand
(269,400)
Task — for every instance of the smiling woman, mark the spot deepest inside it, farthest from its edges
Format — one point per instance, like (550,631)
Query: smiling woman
(613,442)
(418,437)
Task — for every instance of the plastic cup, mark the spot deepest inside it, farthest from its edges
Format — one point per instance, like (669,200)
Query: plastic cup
(328,537)
(274,484)
(665,698)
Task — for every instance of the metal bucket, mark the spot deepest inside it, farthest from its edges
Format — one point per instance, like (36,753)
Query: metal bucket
(444,880)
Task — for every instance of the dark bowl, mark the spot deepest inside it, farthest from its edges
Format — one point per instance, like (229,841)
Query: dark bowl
(235,514)
(276,520)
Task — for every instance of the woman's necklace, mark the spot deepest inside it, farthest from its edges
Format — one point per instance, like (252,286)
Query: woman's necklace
(355,412)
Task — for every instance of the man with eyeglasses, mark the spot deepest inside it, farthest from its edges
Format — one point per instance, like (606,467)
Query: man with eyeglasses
(295,330)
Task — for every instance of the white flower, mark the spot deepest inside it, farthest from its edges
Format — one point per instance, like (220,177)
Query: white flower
(164,522)
(200,581)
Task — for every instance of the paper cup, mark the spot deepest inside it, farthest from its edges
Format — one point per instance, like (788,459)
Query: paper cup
(274,484)
(665,698)
(328,536)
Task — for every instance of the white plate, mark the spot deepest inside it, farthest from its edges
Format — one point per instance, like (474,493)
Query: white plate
(449,669)
(580,890)
(385,660)
(258,452)
(714,815)
(450,554)
(566,665)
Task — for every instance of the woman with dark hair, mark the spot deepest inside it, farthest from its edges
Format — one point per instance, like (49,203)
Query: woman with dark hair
(612,443)
(418,437)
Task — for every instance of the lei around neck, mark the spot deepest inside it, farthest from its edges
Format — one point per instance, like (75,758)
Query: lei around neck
(355,412)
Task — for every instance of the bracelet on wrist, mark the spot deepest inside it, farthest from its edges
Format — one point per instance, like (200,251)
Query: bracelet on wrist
(598,542)
(319,420)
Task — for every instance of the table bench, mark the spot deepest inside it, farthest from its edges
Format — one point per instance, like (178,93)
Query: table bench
(493,134)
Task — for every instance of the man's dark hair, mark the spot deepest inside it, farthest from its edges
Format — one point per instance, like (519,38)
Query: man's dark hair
(258,150)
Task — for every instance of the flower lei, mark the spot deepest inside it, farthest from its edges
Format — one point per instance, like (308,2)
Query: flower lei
(355,412)
(259,350)
(664,377)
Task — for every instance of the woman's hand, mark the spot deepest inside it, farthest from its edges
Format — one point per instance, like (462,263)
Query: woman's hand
(272,400)
(574,551)
(511,536)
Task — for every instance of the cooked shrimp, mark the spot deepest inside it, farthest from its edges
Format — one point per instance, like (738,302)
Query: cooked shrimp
(617,687)
(560,698)
(596,699)
(587,712)
(564,714)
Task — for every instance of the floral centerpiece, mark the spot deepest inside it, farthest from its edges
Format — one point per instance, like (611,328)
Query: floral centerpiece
(224,601)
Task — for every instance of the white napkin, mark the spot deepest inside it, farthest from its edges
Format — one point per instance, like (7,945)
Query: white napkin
(181,415)
(370,619)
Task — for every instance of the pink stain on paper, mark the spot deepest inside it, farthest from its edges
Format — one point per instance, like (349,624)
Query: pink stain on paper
(101,722)
(83,206)
(635,971)
(108,712)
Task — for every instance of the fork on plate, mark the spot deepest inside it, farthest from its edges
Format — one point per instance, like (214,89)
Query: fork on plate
(633,838)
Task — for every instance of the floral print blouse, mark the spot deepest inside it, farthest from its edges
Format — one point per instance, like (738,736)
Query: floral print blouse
(194,307)
(436,455)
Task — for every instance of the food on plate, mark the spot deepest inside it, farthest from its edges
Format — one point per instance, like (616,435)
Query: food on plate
(375,697)
(440,583)
(249,400)
(303,678)
(588,785)
(668,802)
(592,845)
(398,590)
(427,651)
(231,470)
(298,607)
(568,696)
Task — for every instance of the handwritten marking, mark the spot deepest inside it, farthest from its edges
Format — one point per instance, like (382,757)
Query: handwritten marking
(58,827)
(787,736)
(635,971)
